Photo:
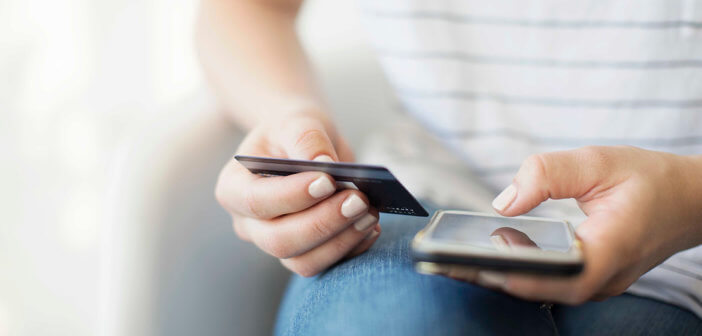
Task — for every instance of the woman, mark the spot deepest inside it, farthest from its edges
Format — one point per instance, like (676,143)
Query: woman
(509,87)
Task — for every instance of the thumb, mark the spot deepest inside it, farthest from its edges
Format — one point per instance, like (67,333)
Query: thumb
(556,175)
(307,139)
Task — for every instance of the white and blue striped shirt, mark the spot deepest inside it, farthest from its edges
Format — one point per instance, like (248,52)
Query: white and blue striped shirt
(496,81)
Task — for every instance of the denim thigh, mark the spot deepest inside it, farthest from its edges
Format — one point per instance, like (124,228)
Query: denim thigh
(379,293)
(626,314)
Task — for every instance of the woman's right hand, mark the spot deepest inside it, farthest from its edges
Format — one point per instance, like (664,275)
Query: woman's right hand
(301,218)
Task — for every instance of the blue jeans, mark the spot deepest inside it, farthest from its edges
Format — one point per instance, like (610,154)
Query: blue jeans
(379,293)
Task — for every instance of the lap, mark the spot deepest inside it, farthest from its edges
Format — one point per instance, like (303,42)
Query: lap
(379,292)
(626,315)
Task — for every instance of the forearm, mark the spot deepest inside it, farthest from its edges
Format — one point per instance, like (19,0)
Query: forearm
(253,59)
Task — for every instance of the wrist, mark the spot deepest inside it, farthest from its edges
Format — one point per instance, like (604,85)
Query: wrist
(696,176)
(693,190)
(303,109)
(294,107)
(695,179)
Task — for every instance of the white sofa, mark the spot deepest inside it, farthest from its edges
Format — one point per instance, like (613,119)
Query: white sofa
(173,265)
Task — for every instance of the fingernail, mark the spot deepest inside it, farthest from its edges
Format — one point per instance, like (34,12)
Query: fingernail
(345,185)
(505,198)
(365,222)
(321,187)
(372,235)
(323,158)
(491,279)
(500,243)
(353,206)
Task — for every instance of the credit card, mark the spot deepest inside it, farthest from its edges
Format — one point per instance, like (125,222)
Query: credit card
(383,190)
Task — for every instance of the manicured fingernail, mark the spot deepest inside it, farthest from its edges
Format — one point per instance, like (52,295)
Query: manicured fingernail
(353,206)
(500,243)
(345,185)
(372,235)
(323,158)
(505,198)
(365,222)
(321,187)
(491,279)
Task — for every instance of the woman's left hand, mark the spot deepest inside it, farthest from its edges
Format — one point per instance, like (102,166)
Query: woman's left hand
(642,207)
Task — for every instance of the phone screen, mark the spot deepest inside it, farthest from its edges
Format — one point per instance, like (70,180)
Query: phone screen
(501,233)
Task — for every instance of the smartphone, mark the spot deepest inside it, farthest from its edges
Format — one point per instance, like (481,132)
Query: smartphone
(486,241)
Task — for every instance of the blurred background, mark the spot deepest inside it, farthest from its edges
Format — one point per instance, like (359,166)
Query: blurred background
(111,145)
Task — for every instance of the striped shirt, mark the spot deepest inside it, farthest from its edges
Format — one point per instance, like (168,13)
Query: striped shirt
(492,82)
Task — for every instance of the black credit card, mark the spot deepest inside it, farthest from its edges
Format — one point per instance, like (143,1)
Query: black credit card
(381,187)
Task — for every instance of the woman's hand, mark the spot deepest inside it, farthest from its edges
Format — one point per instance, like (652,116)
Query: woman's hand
(642,207)
(300,218)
